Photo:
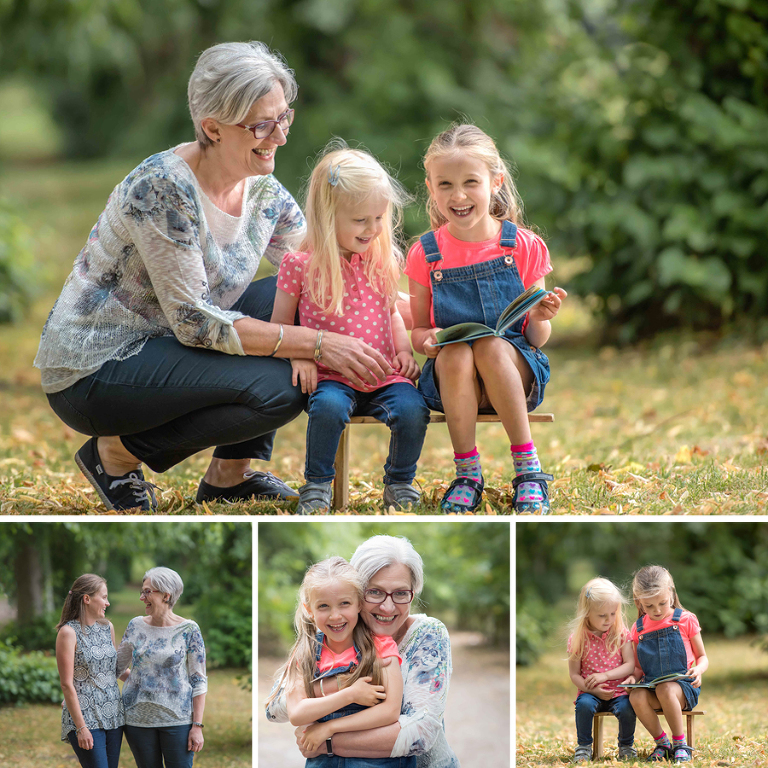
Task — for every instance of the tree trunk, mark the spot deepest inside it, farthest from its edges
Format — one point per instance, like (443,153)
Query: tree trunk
(32,557)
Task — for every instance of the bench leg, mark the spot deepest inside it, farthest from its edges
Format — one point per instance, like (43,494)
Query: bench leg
(597,737)
(691,732)
(341,464)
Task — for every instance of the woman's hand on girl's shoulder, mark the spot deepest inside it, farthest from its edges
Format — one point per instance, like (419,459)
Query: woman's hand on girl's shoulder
(365,693)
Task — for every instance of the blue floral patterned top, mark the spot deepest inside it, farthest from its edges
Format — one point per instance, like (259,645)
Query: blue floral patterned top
(163,260)
(167,672)
(95,679)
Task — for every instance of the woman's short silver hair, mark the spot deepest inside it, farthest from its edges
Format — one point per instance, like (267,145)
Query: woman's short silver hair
(165,580)
(380,551)
(229,78)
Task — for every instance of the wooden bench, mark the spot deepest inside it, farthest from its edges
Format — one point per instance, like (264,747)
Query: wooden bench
(341,481)
(597,729)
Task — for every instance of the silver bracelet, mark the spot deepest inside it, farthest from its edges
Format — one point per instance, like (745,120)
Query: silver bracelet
(322,692)
(279,341)
(318,354)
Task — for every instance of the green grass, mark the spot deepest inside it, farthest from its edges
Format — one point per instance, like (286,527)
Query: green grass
(732,732)
(674,427)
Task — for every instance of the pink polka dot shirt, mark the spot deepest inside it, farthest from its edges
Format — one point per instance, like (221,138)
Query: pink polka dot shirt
(600,659)
(366,313)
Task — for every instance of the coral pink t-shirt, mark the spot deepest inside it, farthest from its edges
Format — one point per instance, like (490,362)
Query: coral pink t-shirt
(600,659)
(385,647)
(689,628)
(366,312)
(531,257)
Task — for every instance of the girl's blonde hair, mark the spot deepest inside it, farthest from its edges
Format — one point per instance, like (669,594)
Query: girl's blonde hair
(596,592)
(74,604)
(349,175)
(462,139)
(650,581)
(301,659)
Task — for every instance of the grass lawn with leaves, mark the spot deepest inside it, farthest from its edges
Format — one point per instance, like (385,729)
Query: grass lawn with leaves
(734,696)
(674,427)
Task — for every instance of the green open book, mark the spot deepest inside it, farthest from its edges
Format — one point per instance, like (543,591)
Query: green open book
(471,331)
(670,678)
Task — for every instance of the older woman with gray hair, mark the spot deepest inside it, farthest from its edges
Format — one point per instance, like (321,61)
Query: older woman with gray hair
(394,575)
(159,345)
(163,656)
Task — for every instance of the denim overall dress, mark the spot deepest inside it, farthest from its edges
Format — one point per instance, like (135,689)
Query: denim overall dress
(480,293)
(350,762)
(662,652)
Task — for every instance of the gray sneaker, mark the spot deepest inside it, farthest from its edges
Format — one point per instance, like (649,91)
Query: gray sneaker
(583,754)
(315,498)
(400,496)
(627,753)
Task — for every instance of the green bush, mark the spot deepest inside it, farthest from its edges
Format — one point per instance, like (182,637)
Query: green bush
(27,678)
(225,621)
(534,626)
(39,635)
(17,283)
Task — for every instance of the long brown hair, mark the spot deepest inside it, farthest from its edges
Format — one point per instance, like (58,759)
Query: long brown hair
(301,659)
(74,606)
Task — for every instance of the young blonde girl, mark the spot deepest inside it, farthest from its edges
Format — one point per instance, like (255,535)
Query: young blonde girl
(344,279)
(332,641)
(667,640)
(473,263)
(599,655)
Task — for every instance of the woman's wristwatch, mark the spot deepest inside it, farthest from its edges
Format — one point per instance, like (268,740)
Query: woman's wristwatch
(329,747)
(199,725)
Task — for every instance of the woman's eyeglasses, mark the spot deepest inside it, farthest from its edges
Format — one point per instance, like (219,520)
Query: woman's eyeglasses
(399,596)
(267,127)
(145,592)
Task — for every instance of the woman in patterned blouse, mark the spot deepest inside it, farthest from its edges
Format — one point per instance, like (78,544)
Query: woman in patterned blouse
(159,344)
(394,575)
(164,695)
(92,712)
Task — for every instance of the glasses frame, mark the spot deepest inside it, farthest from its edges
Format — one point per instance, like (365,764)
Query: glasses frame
(252,128)
(386,595)
(145,592)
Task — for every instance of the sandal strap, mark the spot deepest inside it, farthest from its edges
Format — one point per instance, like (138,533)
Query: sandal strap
(469,481)
(532,477)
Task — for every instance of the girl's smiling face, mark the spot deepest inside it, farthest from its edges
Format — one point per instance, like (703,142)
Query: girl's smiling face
(98,603)
(657,607)
(335,609)
(359,223)
(602,617)
(461,186)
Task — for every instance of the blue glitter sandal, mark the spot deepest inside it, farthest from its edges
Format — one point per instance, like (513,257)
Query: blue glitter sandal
(451,507)
(532,507)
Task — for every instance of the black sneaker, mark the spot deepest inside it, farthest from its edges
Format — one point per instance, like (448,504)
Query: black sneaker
(129,491)
(261,486)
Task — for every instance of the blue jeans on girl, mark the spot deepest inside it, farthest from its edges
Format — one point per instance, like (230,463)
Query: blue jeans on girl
(106,748)
(588,705)
(399,406)
(158,747)
(662,652)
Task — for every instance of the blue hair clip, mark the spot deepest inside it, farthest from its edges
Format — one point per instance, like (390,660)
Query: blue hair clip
(333,174)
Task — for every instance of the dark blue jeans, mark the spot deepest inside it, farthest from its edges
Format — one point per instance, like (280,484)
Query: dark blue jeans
(106,748)
(399,406)
(158,747)
(170,401)
(588,705)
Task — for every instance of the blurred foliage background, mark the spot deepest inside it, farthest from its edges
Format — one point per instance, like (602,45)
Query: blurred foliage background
(639,131)
(718,569)
(466,572)
(39,562)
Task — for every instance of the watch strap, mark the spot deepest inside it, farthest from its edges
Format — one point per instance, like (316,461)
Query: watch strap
(329,747)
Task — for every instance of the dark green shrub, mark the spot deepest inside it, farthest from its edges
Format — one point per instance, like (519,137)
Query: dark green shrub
(225,621)
(17,283)
(27,678)
(534,625)
(39,635)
